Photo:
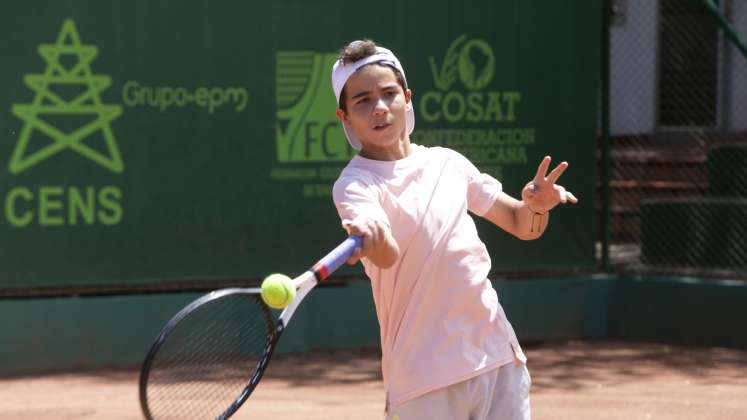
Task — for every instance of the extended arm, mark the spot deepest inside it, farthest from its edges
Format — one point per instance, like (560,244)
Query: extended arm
(528,218)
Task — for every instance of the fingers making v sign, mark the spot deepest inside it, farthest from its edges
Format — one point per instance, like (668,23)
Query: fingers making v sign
(542,193)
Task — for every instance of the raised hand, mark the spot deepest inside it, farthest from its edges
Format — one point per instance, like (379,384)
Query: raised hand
(542,193)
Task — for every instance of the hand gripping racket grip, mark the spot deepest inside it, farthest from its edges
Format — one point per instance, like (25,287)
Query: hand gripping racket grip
(336,257)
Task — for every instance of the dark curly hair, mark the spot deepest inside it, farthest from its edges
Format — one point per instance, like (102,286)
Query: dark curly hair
(358,50)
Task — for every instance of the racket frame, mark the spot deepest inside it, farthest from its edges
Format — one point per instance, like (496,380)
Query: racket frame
(303,283)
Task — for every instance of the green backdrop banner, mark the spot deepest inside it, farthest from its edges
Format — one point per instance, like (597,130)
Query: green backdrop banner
(142,142)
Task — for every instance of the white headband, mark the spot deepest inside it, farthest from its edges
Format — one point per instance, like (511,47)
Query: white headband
(341,73)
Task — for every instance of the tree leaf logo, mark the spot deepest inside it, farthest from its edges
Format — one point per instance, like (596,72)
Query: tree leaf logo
(476,76)
(471,60)
(446,76)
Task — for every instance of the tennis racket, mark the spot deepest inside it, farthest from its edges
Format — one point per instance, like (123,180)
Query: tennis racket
(211,355)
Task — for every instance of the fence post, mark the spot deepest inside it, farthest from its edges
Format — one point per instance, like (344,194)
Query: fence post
(727,28)
(605,135)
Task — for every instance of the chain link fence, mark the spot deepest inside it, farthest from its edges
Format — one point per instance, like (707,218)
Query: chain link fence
(677,174)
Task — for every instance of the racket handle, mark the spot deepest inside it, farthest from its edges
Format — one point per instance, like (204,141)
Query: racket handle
(332,261)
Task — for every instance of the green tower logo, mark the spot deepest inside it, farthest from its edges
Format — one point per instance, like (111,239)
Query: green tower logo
(306,127)
(67,88)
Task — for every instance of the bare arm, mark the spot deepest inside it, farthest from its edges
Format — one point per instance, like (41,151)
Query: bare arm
(516,218)
(527,219)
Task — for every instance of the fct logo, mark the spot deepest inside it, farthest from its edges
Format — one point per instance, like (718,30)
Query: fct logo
(306,127)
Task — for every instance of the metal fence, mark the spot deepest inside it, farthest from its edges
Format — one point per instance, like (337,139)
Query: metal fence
(674,147)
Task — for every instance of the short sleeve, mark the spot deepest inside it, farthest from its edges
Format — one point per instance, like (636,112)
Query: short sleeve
(482,190)
(355,199)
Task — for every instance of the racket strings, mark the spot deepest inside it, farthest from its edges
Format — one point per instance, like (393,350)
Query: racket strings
(208,358)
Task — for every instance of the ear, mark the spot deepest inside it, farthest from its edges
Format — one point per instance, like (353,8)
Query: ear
(408,99)
(343,116)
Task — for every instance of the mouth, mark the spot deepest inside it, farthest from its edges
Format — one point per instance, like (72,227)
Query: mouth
(380,127)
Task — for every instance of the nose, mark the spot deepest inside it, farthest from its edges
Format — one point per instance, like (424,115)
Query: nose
(380,107)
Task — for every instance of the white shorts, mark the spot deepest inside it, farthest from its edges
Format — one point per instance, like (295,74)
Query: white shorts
(500,394)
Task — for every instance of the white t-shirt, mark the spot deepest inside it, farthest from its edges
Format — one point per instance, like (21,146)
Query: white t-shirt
(438,313)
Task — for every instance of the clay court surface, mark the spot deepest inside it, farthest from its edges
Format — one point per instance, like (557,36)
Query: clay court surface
(573,380)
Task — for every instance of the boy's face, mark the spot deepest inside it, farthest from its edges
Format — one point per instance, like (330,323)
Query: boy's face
(376,107)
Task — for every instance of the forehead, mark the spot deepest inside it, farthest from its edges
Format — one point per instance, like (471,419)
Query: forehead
(370,77)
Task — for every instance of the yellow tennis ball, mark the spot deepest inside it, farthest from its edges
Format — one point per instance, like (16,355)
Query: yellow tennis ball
(278,291)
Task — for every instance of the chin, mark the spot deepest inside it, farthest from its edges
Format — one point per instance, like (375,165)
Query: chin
(388,136)
(383,143)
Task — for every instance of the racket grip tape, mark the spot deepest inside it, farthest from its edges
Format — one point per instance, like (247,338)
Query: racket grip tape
(337,257)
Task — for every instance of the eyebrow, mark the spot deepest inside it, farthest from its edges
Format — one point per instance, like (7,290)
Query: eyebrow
(366,92)
(358,95)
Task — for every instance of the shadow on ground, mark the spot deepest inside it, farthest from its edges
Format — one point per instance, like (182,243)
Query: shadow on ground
(575,365)
(554,366)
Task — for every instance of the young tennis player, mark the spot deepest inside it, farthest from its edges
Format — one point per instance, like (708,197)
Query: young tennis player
(448,350)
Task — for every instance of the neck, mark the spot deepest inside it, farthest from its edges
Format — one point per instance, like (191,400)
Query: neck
(399,150)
